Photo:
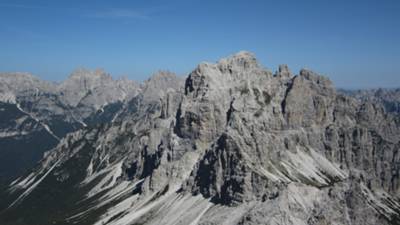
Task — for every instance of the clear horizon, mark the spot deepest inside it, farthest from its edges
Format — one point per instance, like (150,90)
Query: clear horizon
(356,44)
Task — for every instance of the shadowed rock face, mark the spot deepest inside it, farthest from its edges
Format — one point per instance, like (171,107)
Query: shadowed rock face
(233,144)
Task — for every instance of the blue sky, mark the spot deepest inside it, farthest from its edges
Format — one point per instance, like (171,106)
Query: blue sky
(355,43)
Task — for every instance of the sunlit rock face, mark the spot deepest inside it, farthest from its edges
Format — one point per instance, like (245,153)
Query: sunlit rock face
(233,143)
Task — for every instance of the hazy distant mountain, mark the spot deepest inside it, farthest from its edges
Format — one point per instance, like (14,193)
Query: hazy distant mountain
(231,144)
(389,98)
(36,114)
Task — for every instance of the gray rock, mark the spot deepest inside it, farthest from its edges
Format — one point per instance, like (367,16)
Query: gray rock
(233,144)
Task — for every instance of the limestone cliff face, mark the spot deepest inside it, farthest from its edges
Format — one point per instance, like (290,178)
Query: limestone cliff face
(233,144)
(267,131)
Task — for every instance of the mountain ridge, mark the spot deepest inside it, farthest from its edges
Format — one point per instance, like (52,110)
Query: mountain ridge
(232,144)
(86,98)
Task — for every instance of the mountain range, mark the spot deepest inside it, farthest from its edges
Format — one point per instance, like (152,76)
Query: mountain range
(231,143)
(36,114)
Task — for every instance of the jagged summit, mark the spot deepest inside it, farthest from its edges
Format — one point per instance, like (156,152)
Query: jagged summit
(284,71)
(160,83)
(17,75)
(83,79)
(161,75)
(24,83)
(242,59)
(83,72)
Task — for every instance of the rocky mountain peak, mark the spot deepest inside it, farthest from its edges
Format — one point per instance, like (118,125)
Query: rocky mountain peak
(85,79)
(83,73)
(94,88)
(312,76)
(160,83)
(241,59)
(20,83)
(161,76)
(284,71)
(17,75)
(232,72)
